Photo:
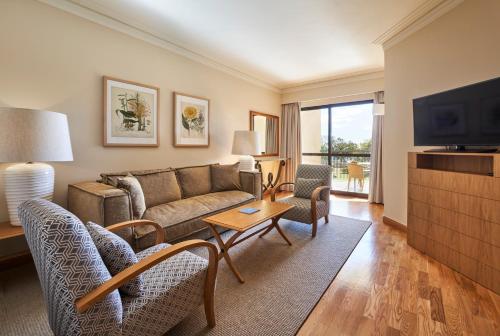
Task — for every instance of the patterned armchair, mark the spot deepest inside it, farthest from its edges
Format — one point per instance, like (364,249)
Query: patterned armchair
(311,195)
(81,295)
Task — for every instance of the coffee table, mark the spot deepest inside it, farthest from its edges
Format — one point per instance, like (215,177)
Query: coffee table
(240,222)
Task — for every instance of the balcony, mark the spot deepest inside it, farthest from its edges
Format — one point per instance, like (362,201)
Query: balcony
(340,173)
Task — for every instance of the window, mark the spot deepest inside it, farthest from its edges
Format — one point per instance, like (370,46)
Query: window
(340,135)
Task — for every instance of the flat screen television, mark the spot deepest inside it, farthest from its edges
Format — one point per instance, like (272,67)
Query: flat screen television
(466,116)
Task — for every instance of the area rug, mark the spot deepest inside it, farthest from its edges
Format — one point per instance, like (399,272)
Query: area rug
(282,284)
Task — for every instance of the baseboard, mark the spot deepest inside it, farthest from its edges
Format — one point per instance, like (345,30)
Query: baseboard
(348,193)
(393,223)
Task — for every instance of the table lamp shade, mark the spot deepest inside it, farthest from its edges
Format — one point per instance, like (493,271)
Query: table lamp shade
(245,144)
(29,137)
(34,135)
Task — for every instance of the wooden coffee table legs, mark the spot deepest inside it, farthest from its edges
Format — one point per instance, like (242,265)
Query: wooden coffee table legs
(275,225)
(224,247)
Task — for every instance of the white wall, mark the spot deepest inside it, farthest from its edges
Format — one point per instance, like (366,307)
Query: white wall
(460,48)
(358,87)
(53,60)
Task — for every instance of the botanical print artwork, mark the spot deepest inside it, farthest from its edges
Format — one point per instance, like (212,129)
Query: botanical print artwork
(130,113)
(191,121)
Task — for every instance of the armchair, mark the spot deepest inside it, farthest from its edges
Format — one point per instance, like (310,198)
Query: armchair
(311,195)
(82,296)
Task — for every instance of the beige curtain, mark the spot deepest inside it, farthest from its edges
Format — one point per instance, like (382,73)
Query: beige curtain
(376,191)
(290,141)
(271,131)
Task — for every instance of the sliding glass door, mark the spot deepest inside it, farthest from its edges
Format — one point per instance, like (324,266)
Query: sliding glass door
(340,135)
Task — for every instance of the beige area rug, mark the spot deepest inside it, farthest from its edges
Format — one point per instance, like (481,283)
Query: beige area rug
(282,284)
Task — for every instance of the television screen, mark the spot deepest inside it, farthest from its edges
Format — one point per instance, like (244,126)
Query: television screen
(469,115)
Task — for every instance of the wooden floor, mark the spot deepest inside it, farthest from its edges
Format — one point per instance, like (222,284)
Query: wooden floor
(388,288)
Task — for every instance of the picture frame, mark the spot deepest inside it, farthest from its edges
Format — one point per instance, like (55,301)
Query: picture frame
(191,121)
(131,113)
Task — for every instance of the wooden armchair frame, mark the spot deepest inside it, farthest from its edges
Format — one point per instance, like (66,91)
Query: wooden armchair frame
(314,199)
(99,293)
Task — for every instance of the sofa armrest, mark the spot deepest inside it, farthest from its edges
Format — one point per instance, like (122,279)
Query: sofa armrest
(251,182)
(99,203)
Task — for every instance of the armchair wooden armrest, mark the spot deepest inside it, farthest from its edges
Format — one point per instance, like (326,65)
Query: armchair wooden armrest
(99,293)
(315,195)
(160,234)
(276,189)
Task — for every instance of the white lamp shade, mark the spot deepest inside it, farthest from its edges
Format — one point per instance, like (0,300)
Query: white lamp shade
(245,143)
(34,135)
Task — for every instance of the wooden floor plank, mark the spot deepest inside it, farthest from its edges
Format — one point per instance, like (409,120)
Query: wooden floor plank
(437,309)
(423,285)
(388,288)
(409,324)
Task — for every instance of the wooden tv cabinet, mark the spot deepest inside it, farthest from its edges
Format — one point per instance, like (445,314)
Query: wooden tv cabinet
(454,212)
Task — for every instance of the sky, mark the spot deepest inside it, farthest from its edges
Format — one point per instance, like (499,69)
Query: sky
(352,122)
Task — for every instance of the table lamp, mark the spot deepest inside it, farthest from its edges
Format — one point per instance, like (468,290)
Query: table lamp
(29,137)
(246,144)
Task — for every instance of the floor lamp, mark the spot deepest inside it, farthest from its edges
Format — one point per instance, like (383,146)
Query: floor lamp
(28,138)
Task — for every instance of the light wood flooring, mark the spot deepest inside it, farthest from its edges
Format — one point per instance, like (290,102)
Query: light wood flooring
(388,288)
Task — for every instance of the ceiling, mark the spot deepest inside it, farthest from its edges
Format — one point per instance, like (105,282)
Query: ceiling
(283,43)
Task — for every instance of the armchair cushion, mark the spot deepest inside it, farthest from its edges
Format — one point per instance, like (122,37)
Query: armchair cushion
(302,210)
(304,187)
(132,185)
(171,290)
(117,256)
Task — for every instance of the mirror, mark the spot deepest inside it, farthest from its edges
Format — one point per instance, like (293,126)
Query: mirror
(267,126)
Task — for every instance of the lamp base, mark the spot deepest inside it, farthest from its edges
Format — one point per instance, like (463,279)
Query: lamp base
(247,163)
(25,181)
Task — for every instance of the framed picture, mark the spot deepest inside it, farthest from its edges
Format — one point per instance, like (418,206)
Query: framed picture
(191,121)
(130,113)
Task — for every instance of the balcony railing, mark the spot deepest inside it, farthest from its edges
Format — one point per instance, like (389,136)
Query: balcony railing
(340,174)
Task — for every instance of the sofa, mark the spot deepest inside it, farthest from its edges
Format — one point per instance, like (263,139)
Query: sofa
(176,198)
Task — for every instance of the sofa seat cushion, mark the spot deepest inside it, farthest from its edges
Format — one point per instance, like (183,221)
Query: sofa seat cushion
(171,290)
(224,199)
(173,213)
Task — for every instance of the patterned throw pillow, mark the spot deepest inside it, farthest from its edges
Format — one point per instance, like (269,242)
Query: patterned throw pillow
(132,185)
(305,187)
(117,256)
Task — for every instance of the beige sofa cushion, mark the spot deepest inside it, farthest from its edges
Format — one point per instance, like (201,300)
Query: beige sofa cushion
(225,177)
(159,188)
(194,181)
(186,209)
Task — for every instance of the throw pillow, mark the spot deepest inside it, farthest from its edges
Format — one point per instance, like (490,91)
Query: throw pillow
(117,255)
(225,177)
(132,185)
(194,181)
(159,188)
(305,187)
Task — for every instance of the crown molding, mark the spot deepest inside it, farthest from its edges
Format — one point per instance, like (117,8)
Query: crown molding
(158,41)
(416,20)
(339,80)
